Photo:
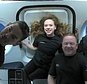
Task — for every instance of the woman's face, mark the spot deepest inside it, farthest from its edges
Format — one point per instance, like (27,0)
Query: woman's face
(11,34)
(49,27)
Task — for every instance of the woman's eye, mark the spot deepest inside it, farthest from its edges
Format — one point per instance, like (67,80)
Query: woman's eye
(51,25)
(45,25)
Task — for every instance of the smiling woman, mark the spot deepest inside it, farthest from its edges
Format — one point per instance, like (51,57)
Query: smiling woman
(47,40)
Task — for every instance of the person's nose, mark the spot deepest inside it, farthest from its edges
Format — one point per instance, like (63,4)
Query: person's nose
(68,45)
(48,27)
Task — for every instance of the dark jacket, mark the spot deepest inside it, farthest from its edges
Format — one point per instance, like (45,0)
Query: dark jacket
(2,53)
(83,45)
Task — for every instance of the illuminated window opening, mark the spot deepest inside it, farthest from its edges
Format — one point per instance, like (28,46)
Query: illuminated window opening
(7,49)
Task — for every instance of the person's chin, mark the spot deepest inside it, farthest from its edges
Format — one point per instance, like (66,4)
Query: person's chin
(68,54)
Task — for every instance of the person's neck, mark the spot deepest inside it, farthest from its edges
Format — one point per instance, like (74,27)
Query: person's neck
(70,55)
(51,35)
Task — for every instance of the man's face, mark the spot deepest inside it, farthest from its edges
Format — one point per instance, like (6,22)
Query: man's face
(69,45)
(11,34)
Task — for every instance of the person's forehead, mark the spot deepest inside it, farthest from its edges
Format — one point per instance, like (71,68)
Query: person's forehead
(15,27)
(16,30)
(48,20)
(69,38)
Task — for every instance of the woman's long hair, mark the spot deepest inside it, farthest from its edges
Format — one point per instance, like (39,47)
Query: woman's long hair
(37,27)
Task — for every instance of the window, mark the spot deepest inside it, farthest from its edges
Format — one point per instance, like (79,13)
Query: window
(33,13)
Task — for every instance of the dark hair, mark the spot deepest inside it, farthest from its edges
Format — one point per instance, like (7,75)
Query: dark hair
(24,28)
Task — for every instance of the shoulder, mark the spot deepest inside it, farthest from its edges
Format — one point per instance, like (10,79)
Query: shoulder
(80,55)
(58,56)
(39,36)
(82,58)
(58,38)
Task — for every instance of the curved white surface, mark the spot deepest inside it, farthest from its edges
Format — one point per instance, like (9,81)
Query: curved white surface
(8,49)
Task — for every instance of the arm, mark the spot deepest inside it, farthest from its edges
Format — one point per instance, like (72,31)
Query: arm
(51,80)
(29,45)
(2,56)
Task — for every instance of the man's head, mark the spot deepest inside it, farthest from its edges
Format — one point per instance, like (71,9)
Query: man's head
(14,33)
(69,44)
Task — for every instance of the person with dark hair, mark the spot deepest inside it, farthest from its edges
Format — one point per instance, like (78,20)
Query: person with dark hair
(83,45)
(69,67)
(12,34)
(46,43)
